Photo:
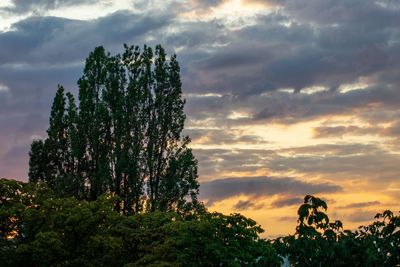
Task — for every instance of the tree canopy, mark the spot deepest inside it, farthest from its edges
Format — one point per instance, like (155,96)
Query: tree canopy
(124,136)
(320,242)
(39,229)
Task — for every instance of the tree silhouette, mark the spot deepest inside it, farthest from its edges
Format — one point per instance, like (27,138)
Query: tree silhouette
(319,242)
(124,137)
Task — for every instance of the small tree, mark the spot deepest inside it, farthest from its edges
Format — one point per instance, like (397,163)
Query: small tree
(315,237)
(319,242)
(123,137)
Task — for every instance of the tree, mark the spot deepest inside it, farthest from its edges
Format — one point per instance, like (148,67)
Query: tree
(383,235)
(308,246)
(39,229)
(214,239)
(319,242)
(49,158)
(37,161)
(124,137)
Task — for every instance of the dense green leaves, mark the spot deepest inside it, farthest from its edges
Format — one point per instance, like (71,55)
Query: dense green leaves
(39,229)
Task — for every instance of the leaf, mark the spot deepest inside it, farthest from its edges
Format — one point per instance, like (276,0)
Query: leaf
(303,211)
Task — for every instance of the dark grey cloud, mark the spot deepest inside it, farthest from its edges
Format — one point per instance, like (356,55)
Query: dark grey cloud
(38,6)
(339,131)
(298,107)
(211,106)
(361,216)
(305,52)
(287,201)
(213,162)
(223,136)
(392,130)
(54,40)
(376,166)
(380,13)
(360,205)
(197,35)
(248,204)
(263,186)
(339,149)
(288,219)
(287,108)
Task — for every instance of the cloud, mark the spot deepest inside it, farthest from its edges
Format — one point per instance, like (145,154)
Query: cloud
(299,107)
(4,88)
(286,201)
(337,150)
(295,50)
(248,204)
(287,108)
(22,6)
(393,130)
(380,13)
(223,136)
(366,165)
(53,40)
(214,162)
(217,190)
(374,166)
(339,131)
(360,205)
(361,216)
(288,219)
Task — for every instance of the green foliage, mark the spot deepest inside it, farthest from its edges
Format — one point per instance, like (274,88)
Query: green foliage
(37,162)
(319,242)
(383,235)
(124,137)
(39,229)
(214,239)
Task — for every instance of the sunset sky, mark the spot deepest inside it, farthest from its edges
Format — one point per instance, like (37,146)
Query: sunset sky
(284,97)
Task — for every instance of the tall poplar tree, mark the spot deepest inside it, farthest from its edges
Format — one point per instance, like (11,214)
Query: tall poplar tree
(125,135)
(56,144)
(37,161)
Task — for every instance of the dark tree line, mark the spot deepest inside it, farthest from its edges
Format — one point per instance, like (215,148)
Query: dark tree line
(39,229)
(123,136)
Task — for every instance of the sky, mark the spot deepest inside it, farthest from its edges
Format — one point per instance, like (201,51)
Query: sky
(284,97)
